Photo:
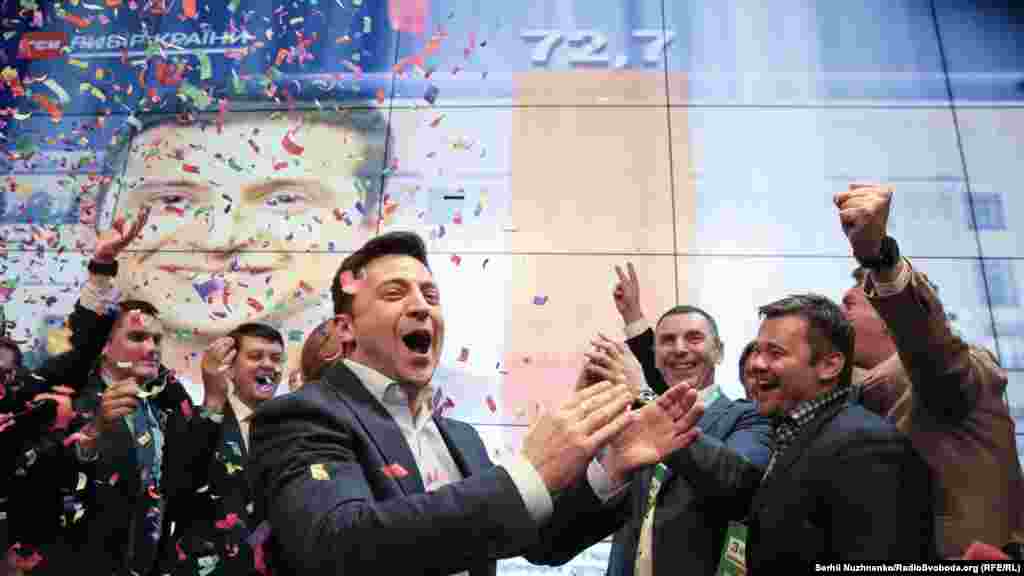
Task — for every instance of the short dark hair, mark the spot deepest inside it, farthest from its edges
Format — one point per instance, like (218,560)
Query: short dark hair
(828,329)
(392,243)
(745,354)
(687,309)
(859,274)
(126,306)
(256,330)
(6,342)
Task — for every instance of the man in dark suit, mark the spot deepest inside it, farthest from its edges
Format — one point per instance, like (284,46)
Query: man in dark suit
(673,517)
(356,472)
(843,484)
(249,362)
(141,449)
(46,504)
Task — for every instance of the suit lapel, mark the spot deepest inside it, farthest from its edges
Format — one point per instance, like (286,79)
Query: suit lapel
(708,424)
(786,459)
(455,438)
(380,427)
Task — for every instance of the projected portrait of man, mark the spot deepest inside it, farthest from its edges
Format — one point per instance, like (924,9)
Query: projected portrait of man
(250,213)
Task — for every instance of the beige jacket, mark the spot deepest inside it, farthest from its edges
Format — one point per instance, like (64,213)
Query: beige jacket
(948,397)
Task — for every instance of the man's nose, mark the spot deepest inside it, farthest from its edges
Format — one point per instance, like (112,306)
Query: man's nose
(222,235)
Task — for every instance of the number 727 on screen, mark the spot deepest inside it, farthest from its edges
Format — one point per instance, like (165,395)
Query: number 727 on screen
(589,47)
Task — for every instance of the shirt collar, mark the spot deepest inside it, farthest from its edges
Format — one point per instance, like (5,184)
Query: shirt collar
(384,389)
(708,395)
(789,425)
(242,411)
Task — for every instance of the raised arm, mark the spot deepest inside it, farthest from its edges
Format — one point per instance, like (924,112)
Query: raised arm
(946,373)
(639,335)
(314,475)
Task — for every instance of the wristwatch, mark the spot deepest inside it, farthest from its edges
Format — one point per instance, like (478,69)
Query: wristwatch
(646,397)
(888,256)
(103,268)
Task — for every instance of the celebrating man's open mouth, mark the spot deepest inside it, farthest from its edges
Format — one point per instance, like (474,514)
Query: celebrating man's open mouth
(418,341)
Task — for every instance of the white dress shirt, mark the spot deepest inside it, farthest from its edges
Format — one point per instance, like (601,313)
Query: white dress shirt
(433,459)
(243,414)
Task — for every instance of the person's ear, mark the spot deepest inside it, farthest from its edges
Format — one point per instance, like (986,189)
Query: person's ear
(830,365)
(719,351)
(344,329)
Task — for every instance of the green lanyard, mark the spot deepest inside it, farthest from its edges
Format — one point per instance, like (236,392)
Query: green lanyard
(661,469)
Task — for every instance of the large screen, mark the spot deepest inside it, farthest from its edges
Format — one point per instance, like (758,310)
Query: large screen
(534,145)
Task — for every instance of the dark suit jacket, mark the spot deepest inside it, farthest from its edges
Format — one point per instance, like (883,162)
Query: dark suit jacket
(118,540)
(219,520)
(693,506)
(366,518)
(39,485)
(850,488)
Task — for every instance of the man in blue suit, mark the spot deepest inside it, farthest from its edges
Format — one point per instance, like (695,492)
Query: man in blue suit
(356,473)
(671,517)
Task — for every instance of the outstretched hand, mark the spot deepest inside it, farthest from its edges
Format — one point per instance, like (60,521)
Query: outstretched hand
(111,242)
(658,429)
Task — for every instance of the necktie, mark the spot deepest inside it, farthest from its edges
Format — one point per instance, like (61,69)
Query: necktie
(644,565)
(644,549)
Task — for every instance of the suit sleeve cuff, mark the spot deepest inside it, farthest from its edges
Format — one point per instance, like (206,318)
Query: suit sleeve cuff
(601,483)
(636,328)
(98,294)
(531,487)
(886,289)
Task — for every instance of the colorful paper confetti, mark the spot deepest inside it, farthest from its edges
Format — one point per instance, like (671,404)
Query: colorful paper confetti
(319,472)
(394,471)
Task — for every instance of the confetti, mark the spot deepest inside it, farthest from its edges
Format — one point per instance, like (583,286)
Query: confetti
(394,471)
(208,289)
(255,304)
(380,95)
(431,94)
(143,394)
(318,472)
(77,21)
(113,478)
(260,534)
(186,409)
(232,468)
(464,354)
(491,404)
(349,283)
(436,121)
(228,522)
(540,300)
(62,95)
(456,259)
(205,66)
(190,168)
(82,479)
(189,9)
(290,145)
(86,87)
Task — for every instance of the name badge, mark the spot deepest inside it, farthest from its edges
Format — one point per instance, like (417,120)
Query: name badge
(734,552)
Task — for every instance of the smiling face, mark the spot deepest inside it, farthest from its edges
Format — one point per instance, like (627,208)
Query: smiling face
(133,349)
(785,369)
(230,212)
(396,323)
(257,369)
(685,350)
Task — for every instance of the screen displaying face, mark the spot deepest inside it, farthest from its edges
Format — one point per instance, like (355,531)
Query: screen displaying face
(245,218)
